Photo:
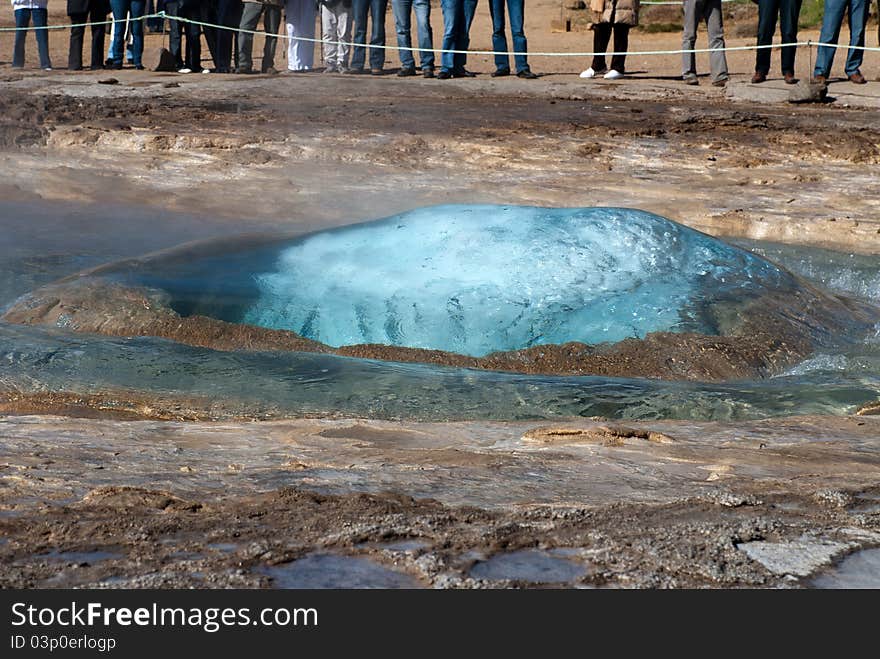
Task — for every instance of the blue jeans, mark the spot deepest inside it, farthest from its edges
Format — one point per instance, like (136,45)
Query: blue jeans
(402,19)
(23,19)
(457,18)
(499,41)
(119,9)
(787,11)
(376,9)
(831,22)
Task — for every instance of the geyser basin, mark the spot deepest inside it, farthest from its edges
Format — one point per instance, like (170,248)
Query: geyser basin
(555,291)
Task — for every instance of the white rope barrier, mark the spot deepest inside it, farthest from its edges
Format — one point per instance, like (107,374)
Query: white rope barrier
(629,53)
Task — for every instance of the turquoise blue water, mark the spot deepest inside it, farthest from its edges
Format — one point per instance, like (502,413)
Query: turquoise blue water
(32,359)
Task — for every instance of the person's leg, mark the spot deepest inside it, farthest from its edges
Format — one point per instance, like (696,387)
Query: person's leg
(41,19)
(789,13)
(360,9)
(715,26)
(693,11)
(22,20)
(832,19)
(77,34)
(223,38)
(193,60)
(343,34)
(271,23)
(175,32)
(425,33)
(516,13)
(499,39)
(768,10)
(601,37)
(328,35)
(858,19)
(97,16)
(470,9)
(137,31)
(233,21)
(453,22)
(250,16)
(621,45)
(300,23)
(402,10)
(377,38)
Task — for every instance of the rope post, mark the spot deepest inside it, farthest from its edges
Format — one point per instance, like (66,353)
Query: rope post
(810,58)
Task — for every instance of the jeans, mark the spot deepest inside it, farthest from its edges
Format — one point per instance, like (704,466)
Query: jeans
(376,9)
(96,16)
(831,22)
(601,37)
(23,19)
(120,8)
(788,12)
(250,16)
(710,12)
(457,18)
(516,10)
(175,32)
(402,19)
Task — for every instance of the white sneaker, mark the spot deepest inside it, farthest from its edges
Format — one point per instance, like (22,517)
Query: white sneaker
(206,70)
(184,70)
(589,73)
(613,75)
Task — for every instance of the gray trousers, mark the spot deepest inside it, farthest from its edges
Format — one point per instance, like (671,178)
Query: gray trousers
(250,16)
(709,11)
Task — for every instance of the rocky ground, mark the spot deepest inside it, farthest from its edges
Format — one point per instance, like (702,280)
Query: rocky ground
(110,503)
(148,503)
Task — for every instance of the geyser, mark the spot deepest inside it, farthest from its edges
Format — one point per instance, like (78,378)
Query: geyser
(480,279)
(603,291)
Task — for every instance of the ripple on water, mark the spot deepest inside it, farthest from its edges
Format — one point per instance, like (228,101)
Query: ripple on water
(318,571)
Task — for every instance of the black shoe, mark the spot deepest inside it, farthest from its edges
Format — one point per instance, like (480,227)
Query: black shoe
(117,66)
(354,71)
(444,75)
(406,72)
(500,73)
(428,73)
(96,67)
(464,73)
(139,67)
(525,73)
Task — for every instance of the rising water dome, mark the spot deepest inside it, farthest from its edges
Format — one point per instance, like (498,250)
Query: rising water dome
(480,279)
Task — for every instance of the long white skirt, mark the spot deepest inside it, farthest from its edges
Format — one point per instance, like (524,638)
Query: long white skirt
(300,16)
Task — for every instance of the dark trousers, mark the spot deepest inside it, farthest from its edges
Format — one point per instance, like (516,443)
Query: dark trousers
(227,13)
(175,31)
(96,15)
(601,37)
(271,22)
(788,12)
(376,10)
